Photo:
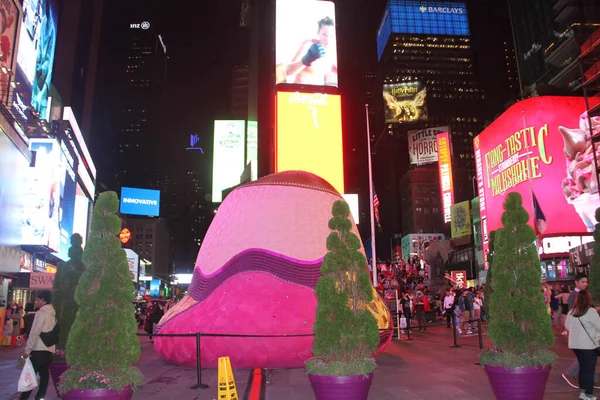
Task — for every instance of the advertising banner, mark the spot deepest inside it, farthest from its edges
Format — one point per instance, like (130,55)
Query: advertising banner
(459,278)
(422,145)
(68,191)
(41,281)
(228,156)
(414,243)
(35,60)
(445,166)
(309,135)
(540,146)
(133,260)
(405,102)
(305,43)
(10,258)
(14,167)
(461,219)
(140,202)
(155,287)
(44,191)
(8,35)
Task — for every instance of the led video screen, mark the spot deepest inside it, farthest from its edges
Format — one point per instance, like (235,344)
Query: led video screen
(309,135)
(305,43)
(228,156)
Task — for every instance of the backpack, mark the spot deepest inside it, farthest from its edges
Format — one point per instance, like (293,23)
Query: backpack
(50,338)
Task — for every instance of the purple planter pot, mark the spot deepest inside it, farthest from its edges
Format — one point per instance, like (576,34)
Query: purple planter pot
(525,383)
(56,370)
(341,387)
(98,394)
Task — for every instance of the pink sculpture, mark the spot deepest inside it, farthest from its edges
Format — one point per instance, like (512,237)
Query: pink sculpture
(255,275)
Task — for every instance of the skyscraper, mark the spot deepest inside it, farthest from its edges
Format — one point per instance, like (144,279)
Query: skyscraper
(548,37)
(131,90)
(427,70)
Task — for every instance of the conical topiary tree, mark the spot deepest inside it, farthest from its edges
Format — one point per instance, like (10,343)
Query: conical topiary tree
(102,347)
(65,282)
(346,333)
(595,263)
(520,327)
(487,293)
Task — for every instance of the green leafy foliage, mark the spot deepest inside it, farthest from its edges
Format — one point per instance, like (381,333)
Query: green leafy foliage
(346,333)
(103,336)
(594,286)
(488,279)
(65,282)
(508,360)
(520,323)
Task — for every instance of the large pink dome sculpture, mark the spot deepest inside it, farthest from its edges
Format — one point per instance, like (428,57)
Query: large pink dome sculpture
(255,275)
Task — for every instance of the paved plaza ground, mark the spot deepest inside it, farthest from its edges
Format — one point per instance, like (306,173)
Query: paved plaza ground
(423,368)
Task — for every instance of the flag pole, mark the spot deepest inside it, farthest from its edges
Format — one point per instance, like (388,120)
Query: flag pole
(373,251)
(537,235)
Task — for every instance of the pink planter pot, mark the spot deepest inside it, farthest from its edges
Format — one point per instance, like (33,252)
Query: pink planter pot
(98,394)
(56,370)
(341,387)
(525,383)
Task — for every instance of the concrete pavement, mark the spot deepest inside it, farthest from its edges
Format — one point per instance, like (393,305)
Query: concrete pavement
(423,368)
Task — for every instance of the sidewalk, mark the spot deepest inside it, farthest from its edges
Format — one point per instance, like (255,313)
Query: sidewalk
(423,368)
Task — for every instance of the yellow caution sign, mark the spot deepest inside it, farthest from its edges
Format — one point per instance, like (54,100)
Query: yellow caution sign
(226,381)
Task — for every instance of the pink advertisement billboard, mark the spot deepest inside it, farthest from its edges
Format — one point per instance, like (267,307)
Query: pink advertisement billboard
(540,147)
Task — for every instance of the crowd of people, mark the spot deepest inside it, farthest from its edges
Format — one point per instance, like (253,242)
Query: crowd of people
(419,305)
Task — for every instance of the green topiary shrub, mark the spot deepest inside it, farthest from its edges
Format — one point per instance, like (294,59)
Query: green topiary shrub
(594,286)
(102,347)
(487,293)
(65,282)
(346,333)
(520,327)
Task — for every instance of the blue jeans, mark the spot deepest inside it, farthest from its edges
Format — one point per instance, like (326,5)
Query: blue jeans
(587,369)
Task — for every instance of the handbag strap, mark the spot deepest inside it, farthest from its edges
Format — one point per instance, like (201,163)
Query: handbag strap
(586,331)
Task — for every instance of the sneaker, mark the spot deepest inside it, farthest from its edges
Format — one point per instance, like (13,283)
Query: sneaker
(564,333)
(469,332)
(572,381)
(459,331)
(584,396)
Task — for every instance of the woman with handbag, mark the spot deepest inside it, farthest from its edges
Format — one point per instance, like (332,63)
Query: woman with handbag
(583,324)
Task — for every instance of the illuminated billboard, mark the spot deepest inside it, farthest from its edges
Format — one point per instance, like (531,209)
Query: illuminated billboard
(445,167)
(140,202)
(405,102)
(8,35)
(49,196)
(14,167)
(461,219)
(540,146)
(309,135)
(422,18)
(86,170)
(133,261)
(228,156)
(35,60)
(422,145)
(305,43)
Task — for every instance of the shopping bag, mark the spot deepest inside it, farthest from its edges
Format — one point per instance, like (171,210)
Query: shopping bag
(27,380)
(403,322)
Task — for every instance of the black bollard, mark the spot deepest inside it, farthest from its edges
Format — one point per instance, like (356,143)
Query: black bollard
(479,333)
(199,384)
(455,345)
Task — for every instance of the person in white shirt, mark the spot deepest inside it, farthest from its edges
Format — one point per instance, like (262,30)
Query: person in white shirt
(448,307)
(35,349)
